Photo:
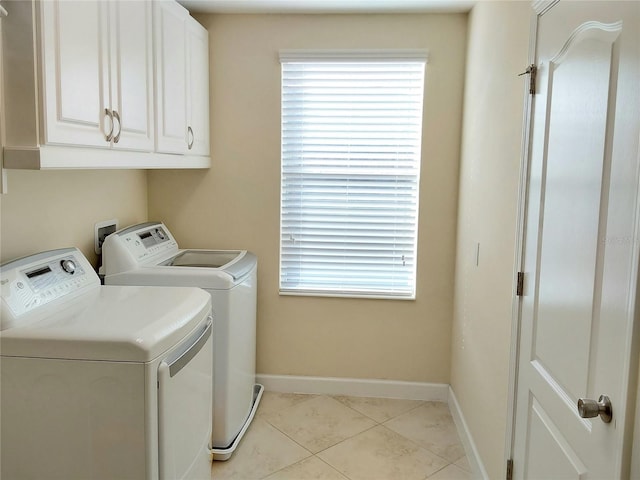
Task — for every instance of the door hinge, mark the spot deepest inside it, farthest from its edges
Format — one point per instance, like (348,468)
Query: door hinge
(520,284)
(532,71)
(510,469)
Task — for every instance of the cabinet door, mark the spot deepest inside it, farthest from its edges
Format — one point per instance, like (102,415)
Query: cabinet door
(198,88)
(75,68)
(132,74)
(171,82)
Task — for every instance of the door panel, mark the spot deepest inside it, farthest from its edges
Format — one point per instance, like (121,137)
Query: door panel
(551,456)
(79,53)
(171,81)
(576,323)
(132,73)
(198,75)
(76,64)
(567,304)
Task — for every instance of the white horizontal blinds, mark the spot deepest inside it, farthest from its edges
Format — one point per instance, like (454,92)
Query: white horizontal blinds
(351,138)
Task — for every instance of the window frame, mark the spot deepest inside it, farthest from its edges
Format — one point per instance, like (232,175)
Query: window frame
(354,56)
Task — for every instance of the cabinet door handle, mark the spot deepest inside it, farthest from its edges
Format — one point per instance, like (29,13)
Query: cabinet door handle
(109,114)
(116,139)
(190,131)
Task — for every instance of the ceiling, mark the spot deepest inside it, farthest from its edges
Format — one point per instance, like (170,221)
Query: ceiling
(327,6)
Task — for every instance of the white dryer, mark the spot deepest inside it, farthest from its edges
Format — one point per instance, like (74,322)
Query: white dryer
(148,254)
(101,382)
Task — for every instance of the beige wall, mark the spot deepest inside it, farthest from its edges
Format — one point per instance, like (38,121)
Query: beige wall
(57,209)
(489,177)
(236,203)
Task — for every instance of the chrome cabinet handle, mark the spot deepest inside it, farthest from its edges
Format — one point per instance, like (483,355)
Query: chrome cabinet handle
(116,139)
(109,114)
(190,131)
(588,408)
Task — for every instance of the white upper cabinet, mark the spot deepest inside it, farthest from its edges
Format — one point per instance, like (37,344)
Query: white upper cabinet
(81,88)
(198,88)
(75,62)
(132,74)
(171,70)
(182,81)
(97,59)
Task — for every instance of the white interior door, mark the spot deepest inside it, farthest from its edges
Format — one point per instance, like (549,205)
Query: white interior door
(581,243)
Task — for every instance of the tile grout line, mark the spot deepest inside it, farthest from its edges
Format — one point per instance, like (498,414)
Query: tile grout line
(331,466)
(285,467)
(265,419)
(289,437)
(422,402)
(355,410)
(327,396)
(311,454)
(461,467)
(447,462)
(447,466)
(342,441)
(423,448)
(285,434)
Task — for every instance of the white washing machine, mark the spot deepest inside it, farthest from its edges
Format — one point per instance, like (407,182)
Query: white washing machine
(101,382)
(147,254)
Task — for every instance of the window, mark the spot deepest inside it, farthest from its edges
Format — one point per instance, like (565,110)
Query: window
(351,144)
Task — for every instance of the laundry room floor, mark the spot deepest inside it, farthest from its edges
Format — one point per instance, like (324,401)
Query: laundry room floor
(299,437)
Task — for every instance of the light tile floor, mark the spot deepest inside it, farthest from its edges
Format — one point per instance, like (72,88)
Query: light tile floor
(305,437)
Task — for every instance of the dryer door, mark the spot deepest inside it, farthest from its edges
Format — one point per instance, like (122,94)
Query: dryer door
(184,407)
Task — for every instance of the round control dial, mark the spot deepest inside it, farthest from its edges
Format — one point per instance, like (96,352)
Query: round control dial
(68,266)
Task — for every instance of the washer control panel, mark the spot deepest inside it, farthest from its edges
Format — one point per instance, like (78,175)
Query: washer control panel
(148,241)
(31,282)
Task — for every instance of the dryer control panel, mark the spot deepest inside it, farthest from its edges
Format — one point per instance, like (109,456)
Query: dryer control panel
(34,281)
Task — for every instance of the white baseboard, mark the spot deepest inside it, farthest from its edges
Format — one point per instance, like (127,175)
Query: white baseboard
(356,387)
(477,467)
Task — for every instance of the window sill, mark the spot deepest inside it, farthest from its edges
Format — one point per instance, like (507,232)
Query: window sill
(331,294)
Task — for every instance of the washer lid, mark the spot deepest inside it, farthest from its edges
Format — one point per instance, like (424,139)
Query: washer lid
(236,264)
(128,324)
(192,268)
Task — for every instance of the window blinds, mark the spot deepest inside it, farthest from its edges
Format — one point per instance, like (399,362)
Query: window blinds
(351,142)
